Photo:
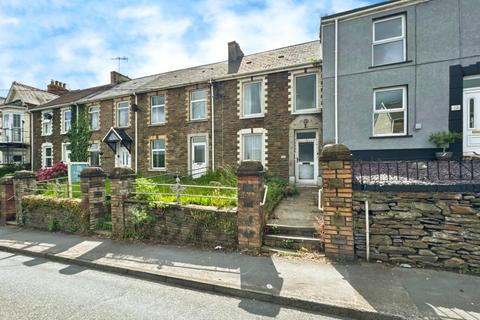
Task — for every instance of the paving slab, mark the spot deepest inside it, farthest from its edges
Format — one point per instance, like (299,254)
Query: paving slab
(359,291)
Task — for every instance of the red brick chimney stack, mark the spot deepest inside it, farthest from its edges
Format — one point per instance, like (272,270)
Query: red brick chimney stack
(57,87)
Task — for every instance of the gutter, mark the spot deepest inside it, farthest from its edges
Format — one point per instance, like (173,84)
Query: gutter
(136,132)
(212,99)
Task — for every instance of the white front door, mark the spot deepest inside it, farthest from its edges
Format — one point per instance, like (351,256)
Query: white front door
(306,168)
(199,154)
(123,157)
(471,121)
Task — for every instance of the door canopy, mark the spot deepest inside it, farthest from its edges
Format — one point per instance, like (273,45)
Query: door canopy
(115,135)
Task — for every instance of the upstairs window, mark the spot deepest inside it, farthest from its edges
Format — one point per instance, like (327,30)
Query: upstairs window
(305,93)
(389,41)
(252,99)
(158,110)
(94,118)
(198,105)
(390,112)
(66,120)
(47,119)
(122,114)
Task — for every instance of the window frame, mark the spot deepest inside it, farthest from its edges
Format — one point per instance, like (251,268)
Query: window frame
(390,40)
(90,112)
(262,99)
(46,146)
(127,108)
(262,151)
(43,121)
(294,96)
(64,152)
(64,122)
(152,150)
(152,106)
(97,149)
(9,127)
(192,101)
(404,109)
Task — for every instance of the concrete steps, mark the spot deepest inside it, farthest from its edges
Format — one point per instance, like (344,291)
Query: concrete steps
(306,231)
(292,242)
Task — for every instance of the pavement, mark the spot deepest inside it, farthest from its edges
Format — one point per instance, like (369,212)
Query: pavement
(37,289)
(357,291)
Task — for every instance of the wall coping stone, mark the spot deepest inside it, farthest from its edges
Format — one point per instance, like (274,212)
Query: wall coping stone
(121,173)
(6,180)
(92,172)
(333,152)
(23,174)
(250,168)
(186,206)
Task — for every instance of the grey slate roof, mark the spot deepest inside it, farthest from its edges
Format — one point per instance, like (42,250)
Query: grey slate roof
(30,95)
(300,54)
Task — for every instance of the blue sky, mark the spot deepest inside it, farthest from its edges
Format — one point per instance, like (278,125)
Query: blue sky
(74,41)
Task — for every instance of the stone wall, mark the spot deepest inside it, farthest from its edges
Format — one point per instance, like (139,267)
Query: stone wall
(54,214)
(422,229)
(181,224)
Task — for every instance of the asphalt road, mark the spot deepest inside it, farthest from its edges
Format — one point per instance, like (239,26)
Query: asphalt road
(34,288)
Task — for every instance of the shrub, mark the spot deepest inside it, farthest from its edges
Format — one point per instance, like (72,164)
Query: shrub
(58,169)
(442,139)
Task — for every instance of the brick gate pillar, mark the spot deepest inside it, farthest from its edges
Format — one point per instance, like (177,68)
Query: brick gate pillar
(92,187)
(24,183)
(250,188)
(7,204)
(121,186)
(336,166)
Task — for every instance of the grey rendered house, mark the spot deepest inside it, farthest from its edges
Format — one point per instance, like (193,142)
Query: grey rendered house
(397,71)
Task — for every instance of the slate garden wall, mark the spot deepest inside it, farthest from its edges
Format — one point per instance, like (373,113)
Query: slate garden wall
(420,229)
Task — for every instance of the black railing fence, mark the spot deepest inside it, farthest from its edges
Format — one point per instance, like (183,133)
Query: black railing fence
(407,174)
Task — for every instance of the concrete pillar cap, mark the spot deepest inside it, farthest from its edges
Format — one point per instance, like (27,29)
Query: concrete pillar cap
(335,152)
(121,173)
(92,172)
(250,168)
(24,174)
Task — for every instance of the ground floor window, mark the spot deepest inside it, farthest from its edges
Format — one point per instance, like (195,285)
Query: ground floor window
(47,155)
(66,152)
(158,153)
(94,155)
(390,111)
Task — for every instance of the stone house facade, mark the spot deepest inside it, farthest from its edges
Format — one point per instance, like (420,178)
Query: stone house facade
(264,106)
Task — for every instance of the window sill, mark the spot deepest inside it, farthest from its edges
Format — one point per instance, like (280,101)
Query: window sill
(46,135)
(157,124)
(122,127)
(157,170)
(198,120)
(389,137)
(311,111)
(252,117)
(390,64)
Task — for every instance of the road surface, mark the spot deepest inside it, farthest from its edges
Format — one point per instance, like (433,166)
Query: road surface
(35,288)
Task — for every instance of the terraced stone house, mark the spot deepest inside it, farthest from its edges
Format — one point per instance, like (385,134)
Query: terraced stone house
(264,106)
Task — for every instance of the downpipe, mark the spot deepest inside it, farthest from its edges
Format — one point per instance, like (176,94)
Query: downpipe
(367,230)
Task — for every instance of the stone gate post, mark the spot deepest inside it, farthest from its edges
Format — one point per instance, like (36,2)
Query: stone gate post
(336,166)
(7,205)
(24,183)
(92,187)
(121,186)
(250,188)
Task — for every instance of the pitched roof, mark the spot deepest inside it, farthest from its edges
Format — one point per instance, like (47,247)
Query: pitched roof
(28,94)
(360,9)
(72,96)
(295,55)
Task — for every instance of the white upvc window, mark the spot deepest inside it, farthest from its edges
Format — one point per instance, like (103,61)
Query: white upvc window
(47,155)
(252,147)
(47,123)
(94,155)
(198,104)
(158,154)
(94,113)
(66,152)
(12,127)
(122,114)
(390,112)
(305,93)
(66,120)
(389,40)
(252,99)
(157,115)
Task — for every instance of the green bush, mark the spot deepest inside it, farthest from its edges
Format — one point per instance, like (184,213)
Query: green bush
(442,139)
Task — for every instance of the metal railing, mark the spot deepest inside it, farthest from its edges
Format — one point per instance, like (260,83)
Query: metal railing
(416,172)
(57,187)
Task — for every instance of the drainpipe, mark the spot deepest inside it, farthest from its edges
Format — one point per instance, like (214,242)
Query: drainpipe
(213,124)
(336,81)
(136,133)
(30,137)
(367,230)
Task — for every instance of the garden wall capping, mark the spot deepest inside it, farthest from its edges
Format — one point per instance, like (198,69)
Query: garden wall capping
(420,228)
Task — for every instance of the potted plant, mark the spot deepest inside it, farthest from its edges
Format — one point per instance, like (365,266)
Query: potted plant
(442,139)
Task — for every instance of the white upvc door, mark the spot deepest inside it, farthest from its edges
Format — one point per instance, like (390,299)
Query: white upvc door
(199,154)
(123,157)
(306,157)
(471,122)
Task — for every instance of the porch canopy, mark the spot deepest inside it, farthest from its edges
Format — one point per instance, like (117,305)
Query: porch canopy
(115,135)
